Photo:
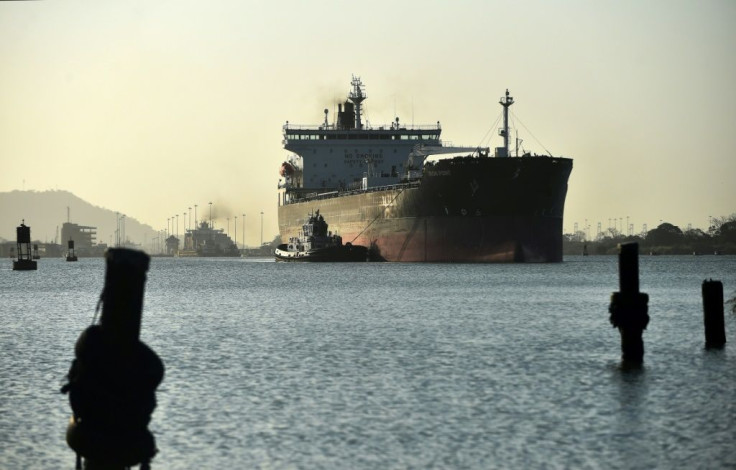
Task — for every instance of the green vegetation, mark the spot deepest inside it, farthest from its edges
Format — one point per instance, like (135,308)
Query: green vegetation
(666,239)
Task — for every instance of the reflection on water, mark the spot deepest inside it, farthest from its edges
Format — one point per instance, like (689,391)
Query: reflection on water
(273,365)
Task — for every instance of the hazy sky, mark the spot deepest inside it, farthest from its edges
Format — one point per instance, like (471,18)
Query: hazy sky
(151,107)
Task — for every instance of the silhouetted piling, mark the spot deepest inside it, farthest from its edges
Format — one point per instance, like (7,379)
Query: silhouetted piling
(113,378)
(715,329)
(629,306)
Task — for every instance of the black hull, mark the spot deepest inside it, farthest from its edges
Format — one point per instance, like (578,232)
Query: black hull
(25,265)
(333,254)
(462,210)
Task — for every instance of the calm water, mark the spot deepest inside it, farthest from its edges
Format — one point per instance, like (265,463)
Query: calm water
(275,365)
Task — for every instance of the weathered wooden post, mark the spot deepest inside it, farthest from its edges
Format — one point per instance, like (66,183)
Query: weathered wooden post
(629,306)
(114,376)
(715,330)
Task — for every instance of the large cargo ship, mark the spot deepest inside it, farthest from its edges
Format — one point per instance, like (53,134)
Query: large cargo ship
(378,189)
(204,241)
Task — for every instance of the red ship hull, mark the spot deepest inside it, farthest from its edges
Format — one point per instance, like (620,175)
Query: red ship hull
(462,210)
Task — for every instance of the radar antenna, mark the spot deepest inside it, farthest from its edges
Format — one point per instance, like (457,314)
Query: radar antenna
(505,101)
(357,96)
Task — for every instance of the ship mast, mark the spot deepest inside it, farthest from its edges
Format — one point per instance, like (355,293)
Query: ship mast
(505,101)
(357,96)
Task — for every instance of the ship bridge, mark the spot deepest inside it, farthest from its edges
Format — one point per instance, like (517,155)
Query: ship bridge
(333,158)
(350,154)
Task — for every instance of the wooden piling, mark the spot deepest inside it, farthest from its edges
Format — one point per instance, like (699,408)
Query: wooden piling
(628,307)
(715,329)
(114,376)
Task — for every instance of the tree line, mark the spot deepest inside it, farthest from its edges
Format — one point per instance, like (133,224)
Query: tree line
(666,239)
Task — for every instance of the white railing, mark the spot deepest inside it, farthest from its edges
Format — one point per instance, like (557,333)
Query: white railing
(334,127)
(320,196)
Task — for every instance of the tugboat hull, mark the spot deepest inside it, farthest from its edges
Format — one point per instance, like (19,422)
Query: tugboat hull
(342,253)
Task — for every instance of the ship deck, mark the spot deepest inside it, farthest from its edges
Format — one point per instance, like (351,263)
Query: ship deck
(309,195)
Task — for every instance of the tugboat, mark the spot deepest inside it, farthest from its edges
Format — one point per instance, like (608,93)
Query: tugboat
(24,261)
(315,243)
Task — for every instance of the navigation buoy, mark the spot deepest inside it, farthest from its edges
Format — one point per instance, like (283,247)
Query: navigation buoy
(71,255)
(25,260)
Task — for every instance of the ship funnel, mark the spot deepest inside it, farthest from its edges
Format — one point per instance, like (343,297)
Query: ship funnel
(346,118)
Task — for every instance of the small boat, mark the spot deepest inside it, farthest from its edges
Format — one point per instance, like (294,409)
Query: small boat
(316,243)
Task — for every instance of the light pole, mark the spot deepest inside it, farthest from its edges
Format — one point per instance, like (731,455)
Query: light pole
(195,216)
(228,226)
(235,224)
(261,228)
(244,231)
(190,218)
(210,215)
(177,225)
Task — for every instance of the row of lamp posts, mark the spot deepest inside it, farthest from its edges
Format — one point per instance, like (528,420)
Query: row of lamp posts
(170,223)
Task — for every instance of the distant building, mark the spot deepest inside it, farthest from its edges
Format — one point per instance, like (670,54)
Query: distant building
(45,250)
(85,239)
(264,251)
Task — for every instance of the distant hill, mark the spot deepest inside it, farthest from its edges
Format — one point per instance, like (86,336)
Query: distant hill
(44,211)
